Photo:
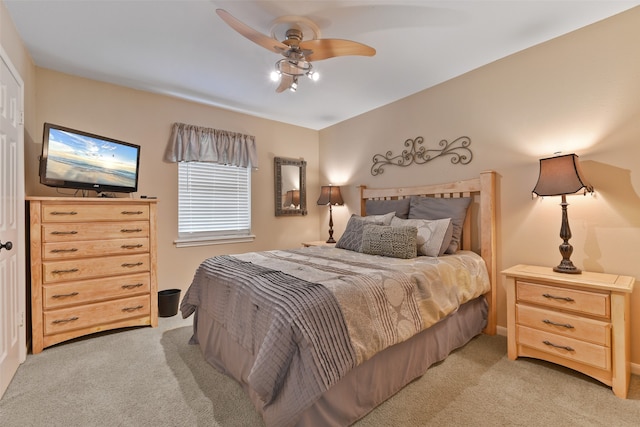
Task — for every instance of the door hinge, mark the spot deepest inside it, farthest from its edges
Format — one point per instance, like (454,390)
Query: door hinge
(21,118)
(21,320)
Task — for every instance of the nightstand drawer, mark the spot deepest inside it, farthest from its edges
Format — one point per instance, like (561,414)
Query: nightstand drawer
(580,328)
(584,302)
(568,348)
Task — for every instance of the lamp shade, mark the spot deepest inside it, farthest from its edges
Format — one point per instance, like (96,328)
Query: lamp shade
(292,198)
(561,175)
(330,195)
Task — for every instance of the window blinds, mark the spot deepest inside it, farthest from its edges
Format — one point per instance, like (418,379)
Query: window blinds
(213,200)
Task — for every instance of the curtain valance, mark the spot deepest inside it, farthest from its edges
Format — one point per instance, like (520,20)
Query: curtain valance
(191,143)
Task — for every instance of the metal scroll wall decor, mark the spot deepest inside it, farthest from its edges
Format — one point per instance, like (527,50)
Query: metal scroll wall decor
(416,153)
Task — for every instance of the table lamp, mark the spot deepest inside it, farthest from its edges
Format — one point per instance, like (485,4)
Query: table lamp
(330,195)
(560,176)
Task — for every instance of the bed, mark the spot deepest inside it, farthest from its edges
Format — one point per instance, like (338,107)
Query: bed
(320,336)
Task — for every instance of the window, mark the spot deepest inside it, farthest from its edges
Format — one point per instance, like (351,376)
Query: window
(214,204)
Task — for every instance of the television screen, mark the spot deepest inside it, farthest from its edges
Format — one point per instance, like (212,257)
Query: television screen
(81,160)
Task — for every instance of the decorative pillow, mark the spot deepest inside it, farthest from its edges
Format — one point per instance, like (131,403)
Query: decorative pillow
(437,208)
(385,240)
(434,236)
(385,219)
(378,207)
(351,239)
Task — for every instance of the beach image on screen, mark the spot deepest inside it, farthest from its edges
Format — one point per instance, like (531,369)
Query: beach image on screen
(80,158)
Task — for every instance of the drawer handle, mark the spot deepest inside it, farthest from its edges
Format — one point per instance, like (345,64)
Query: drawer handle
(131,246)
(550,322)
(131,212)
(55,251)
(132,286)
(568,299)
(64,213)
(564,347)
(70,319)
(133,264)
(71,270)
(72,294)
(137,307)
(63,232)
(131,230)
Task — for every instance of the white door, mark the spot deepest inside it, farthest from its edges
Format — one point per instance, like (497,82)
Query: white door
(12,237)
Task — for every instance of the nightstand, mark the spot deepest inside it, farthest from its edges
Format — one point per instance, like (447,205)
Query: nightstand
(317,243)
(580,321)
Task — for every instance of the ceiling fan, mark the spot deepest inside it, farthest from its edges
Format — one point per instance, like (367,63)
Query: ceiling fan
(297,51)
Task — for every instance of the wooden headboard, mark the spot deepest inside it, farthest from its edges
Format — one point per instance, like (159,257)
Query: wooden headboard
(483,191)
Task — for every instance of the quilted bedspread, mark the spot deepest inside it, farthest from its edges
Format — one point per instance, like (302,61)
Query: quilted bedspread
(310,315)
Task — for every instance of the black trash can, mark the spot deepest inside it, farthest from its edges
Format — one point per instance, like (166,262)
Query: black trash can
(168,302)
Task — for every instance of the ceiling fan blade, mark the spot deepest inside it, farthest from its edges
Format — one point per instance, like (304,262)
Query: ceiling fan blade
(285,83)
(253,35)
(328,48)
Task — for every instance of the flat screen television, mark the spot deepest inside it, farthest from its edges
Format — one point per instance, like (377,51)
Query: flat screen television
(84,161)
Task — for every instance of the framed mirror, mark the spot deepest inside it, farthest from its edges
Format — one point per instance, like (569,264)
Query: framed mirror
(290,186)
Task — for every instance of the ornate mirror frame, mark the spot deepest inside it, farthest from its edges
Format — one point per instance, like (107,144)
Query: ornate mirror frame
(284,179)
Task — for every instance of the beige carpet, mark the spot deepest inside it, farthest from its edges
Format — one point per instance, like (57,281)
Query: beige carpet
(152,377)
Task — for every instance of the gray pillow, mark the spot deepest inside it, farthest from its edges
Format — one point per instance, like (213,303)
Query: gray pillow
(351,239)
(378,207)
(438,208)
(385,240)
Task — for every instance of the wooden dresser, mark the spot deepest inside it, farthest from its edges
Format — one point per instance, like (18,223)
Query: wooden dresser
(580,321)
(93,266)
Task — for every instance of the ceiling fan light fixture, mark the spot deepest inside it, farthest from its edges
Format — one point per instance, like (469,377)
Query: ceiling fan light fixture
(294,67)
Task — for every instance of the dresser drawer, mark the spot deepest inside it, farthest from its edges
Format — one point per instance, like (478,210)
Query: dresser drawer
(94,231)
(67,319)
(568,348)
(67,270)
(83,249)
(86,291)
(580,328)
(58,212)
(584,302)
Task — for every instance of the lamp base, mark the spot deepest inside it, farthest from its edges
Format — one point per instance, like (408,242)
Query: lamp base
(566,266)
(331,240)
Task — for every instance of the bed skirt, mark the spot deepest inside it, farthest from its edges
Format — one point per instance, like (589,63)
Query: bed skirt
(364,387)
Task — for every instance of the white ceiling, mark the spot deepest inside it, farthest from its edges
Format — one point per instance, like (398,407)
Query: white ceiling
(182,48)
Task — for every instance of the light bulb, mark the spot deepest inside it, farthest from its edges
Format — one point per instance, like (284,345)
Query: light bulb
(293,87)
(314,76)
(275,76)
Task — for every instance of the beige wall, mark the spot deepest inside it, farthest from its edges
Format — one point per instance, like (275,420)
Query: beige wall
(578,93)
